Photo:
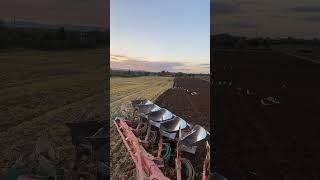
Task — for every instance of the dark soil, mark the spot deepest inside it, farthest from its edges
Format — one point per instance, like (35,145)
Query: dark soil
(254,141)
(195,109)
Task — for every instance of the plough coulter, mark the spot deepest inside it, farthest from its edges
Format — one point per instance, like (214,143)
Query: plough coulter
(155,137)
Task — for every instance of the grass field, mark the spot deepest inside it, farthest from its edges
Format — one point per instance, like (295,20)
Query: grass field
(123,90)
(40,91)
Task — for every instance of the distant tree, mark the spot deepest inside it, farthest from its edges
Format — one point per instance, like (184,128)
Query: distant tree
(61,34)
(45,42)
(179,74)
(315,42)
(3,35)
(254,42)
(41,38)
(2,24)
(266,43)
(162,73)
(146,73)
(61,37)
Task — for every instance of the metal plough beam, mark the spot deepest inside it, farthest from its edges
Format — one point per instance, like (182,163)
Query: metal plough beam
(146,168)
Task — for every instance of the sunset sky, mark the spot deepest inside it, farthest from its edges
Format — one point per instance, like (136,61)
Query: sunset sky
(161,35)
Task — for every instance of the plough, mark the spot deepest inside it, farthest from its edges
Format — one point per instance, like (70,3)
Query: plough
(138,134)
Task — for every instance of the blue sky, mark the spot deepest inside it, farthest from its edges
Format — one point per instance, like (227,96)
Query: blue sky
(160,35)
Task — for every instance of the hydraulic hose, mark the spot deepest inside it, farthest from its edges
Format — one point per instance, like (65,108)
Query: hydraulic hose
(166,152)
(144,129)
(188,169)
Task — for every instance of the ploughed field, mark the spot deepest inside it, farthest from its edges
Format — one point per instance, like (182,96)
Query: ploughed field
(261,139)
(190,99)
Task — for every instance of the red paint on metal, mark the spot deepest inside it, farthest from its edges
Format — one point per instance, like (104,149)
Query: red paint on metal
(145,166)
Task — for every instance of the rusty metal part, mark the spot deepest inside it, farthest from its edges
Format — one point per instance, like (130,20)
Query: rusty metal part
(206,163)
(146,168)
(178,166)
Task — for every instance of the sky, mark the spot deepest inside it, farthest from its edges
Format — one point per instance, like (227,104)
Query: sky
(156,35)
(71,12)
(272,18)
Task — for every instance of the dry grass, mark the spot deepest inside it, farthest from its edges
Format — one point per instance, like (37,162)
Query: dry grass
(41,91)
(122,91)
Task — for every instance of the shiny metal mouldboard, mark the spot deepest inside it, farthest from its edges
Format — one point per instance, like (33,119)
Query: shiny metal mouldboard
(137,103)
(173,124)
(160,115)
(146,109)
(197,134)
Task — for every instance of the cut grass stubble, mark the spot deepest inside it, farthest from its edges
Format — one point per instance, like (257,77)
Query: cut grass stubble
(122,91)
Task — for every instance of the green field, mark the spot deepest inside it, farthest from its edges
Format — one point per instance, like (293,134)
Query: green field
(42,90)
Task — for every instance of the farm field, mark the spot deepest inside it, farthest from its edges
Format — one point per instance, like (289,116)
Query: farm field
(42,90)
(205,78)
(307,51)
(190,100)
(122,91)
(255,140)
(177,96)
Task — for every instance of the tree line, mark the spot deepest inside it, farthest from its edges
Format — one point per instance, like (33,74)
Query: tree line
(132,73)
(230,41)
(50,39)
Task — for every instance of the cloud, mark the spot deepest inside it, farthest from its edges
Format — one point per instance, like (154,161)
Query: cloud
(205,65)
(225,8)
(124,62)
(145,65)
(118,57)
(306,9)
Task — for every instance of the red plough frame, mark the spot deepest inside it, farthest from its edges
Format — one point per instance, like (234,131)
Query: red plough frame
(146,168)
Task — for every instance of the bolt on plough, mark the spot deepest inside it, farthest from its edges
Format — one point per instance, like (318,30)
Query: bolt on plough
(153,136)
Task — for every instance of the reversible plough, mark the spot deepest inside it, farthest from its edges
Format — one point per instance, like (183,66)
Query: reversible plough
(153,136)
